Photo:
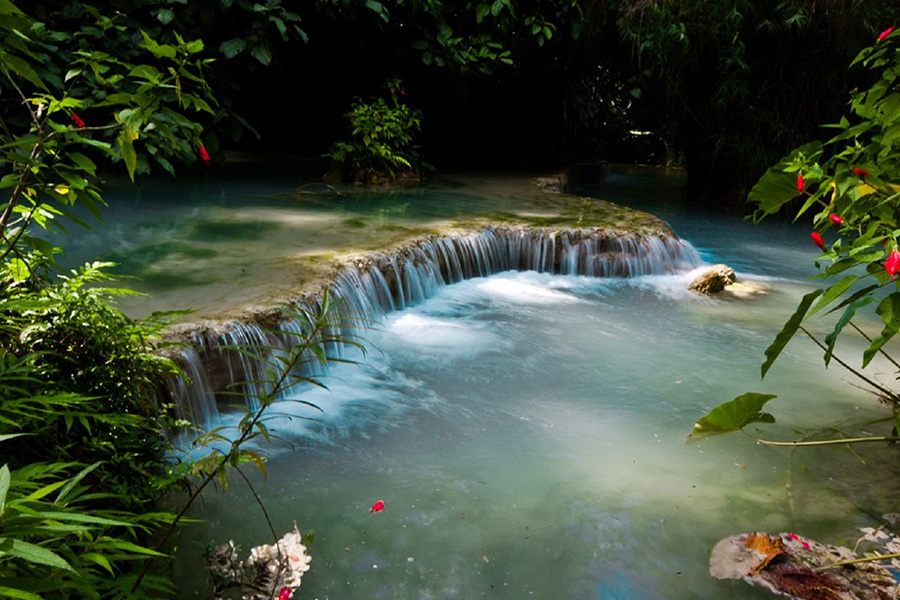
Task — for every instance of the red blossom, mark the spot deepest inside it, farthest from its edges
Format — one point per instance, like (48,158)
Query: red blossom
(285,593)
(402,92)
(892,264)
(817,239)
(204,155)
(392,92)
(836,219)
(860,172)
(377,507)
(77,120)
(801,185)
(885,33)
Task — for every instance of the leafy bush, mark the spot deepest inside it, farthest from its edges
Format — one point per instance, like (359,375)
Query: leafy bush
(382,140)
(79,375)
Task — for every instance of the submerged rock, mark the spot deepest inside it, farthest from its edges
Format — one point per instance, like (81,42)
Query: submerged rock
(801,568)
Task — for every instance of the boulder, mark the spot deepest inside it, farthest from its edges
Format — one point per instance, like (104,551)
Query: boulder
(713,281)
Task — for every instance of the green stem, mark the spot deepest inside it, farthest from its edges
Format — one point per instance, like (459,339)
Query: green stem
(855,561)
(886,438)
(874,384)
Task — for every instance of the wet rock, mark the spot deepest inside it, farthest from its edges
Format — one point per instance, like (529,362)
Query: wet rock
(801,568)
(714,280)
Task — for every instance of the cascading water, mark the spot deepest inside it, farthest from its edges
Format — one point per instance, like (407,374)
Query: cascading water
(377,284)
(526,431)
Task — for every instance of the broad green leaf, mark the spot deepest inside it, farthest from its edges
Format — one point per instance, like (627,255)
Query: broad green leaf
(889,310)
(778,185)
(18,270)
(790,328)
(233,47)
(32,553)
(733,416)
(165,15)
(22,69)
(156,49)
(8,8)
(262,53)
(128,154)
(870,352)
(833,292)
(83,162)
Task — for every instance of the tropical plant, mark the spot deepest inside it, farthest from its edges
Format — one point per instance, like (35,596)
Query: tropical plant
(853,183)
(314,341)
(58,541)
(382,139)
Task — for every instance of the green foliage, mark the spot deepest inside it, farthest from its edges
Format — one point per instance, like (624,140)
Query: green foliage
(79,375)
(56,543)
(853,183)
(382,139)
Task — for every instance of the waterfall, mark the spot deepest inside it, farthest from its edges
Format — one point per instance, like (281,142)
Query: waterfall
(375,284)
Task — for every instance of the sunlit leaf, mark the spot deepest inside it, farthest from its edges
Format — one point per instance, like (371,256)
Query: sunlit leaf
(733,416)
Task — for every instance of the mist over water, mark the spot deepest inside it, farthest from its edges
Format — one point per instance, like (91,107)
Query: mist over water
(527,435)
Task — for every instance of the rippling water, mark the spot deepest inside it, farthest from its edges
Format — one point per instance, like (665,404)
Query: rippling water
(527,435)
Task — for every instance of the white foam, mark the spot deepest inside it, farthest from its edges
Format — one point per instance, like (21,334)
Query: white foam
(434,334)
(523,290)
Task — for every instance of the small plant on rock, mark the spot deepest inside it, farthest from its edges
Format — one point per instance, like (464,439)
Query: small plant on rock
(382,140)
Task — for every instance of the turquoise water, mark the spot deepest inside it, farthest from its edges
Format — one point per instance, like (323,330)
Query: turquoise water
(527,435)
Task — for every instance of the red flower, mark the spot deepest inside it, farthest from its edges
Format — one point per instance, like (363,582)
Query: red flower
(860,172)
(817,239)
(77,120)
(402,92)
(392,92)
(836,219)
(800,183)
(892,264)
(285,594)
(204,155)
(885,33)
(377,507)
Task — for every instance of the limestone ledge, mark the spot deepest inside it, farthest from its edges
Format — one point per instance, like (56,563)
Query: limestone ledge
(546,212)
